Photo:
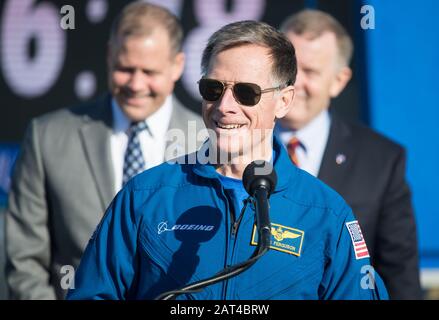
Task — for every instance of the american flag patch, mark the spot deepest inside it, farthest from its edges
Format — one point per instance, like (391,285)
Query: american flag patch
(358,242)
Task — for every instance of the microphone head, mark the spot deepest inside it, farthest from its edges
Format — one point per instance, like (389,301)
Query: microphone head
(259,173)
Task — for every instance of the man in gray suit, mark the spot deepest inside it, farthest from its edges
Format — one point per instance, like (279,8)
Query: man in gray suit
(73,161)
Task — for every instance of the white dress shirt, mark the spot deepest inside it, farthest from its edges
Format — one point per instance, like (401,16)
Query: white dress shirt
(152,141)
(313,137)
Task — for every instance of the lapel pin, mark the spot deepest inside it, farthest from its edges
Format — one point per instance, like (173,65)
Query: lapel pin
(340,158)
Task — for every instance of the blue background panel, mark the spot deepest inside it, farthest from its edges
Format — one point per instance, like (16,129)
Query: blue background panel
(403,92)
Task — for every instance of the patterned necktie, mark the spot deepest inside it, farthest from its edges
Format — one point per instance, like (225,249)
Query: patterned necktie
(134,162)
(291,147)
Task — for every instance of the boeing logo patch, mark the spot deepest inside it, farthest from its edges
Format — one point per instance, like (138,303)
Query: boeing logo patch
(163,227)
(284,239)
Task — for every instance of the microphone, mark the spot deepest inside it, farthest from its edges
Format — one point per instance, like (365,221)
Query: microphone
(259,180)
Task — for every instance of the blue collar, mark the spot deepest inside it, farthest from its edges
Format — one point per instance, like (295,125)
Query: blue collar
(282,164)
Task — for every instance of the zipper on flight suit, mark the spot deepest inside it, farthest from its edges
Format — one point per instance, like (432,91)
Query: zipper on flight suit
(231,209)
(236,223)
(227,244)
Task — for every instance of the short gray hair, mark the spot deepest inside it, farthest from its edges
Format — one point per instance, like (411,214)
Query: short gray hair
(282,53)
(314,23)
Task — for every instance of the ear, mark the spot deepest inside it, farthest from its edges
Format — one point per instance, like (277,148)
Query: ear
(341,79)
(178,66)
(285,101)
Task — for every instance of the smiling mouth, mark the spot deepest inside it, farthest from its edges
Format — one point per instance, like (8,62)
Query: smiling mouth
(228,126)
(136,97)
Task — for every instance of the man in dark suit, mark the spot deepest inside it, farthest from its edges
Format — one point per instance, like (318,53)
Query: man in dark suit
(366,168)
(73,161)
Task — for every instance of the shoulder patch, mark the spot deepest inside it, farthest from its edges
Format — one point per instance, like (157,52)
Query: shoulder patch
(358,242)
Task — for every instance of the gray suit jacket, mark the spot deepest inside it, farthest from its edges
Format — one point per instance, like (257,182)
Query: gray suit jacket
(62,184)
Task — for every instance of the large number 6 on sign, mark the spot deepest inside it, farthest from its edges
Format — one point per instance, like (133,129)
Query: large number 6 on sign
(23,21)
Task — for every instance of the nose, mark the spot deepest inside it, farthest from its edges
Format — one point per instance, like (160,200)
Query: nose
(137,81)
(227,102)
(300,79)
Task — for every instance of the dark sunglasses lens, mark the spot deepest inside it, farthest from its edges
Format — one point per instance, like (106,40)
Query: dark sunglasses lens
(247,94)
(210,90)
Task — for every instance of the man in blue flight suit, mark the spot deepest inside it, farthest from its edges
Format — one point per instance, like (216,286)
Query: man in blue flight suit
(184,221)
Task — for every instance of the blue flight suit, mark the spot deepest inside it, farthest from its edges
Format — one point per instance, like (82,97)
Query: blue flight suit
(176,224)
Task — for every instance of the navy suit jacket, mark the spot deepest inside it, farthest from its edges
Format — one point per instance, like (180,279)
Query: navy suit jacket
(370,175)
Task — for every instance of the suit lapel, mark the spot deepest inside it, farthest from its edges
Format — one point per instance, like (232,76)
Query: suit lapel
(338,155)
(95,135)
(178,117)
(178,121)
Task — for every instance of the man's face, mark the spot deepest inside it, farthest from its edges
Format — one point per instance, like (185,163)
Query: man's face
(241,129)
(142,73)
(320,77)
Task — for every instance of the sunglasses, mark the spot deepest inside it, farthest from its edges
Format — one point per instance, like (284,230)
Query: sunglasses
(245,93)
